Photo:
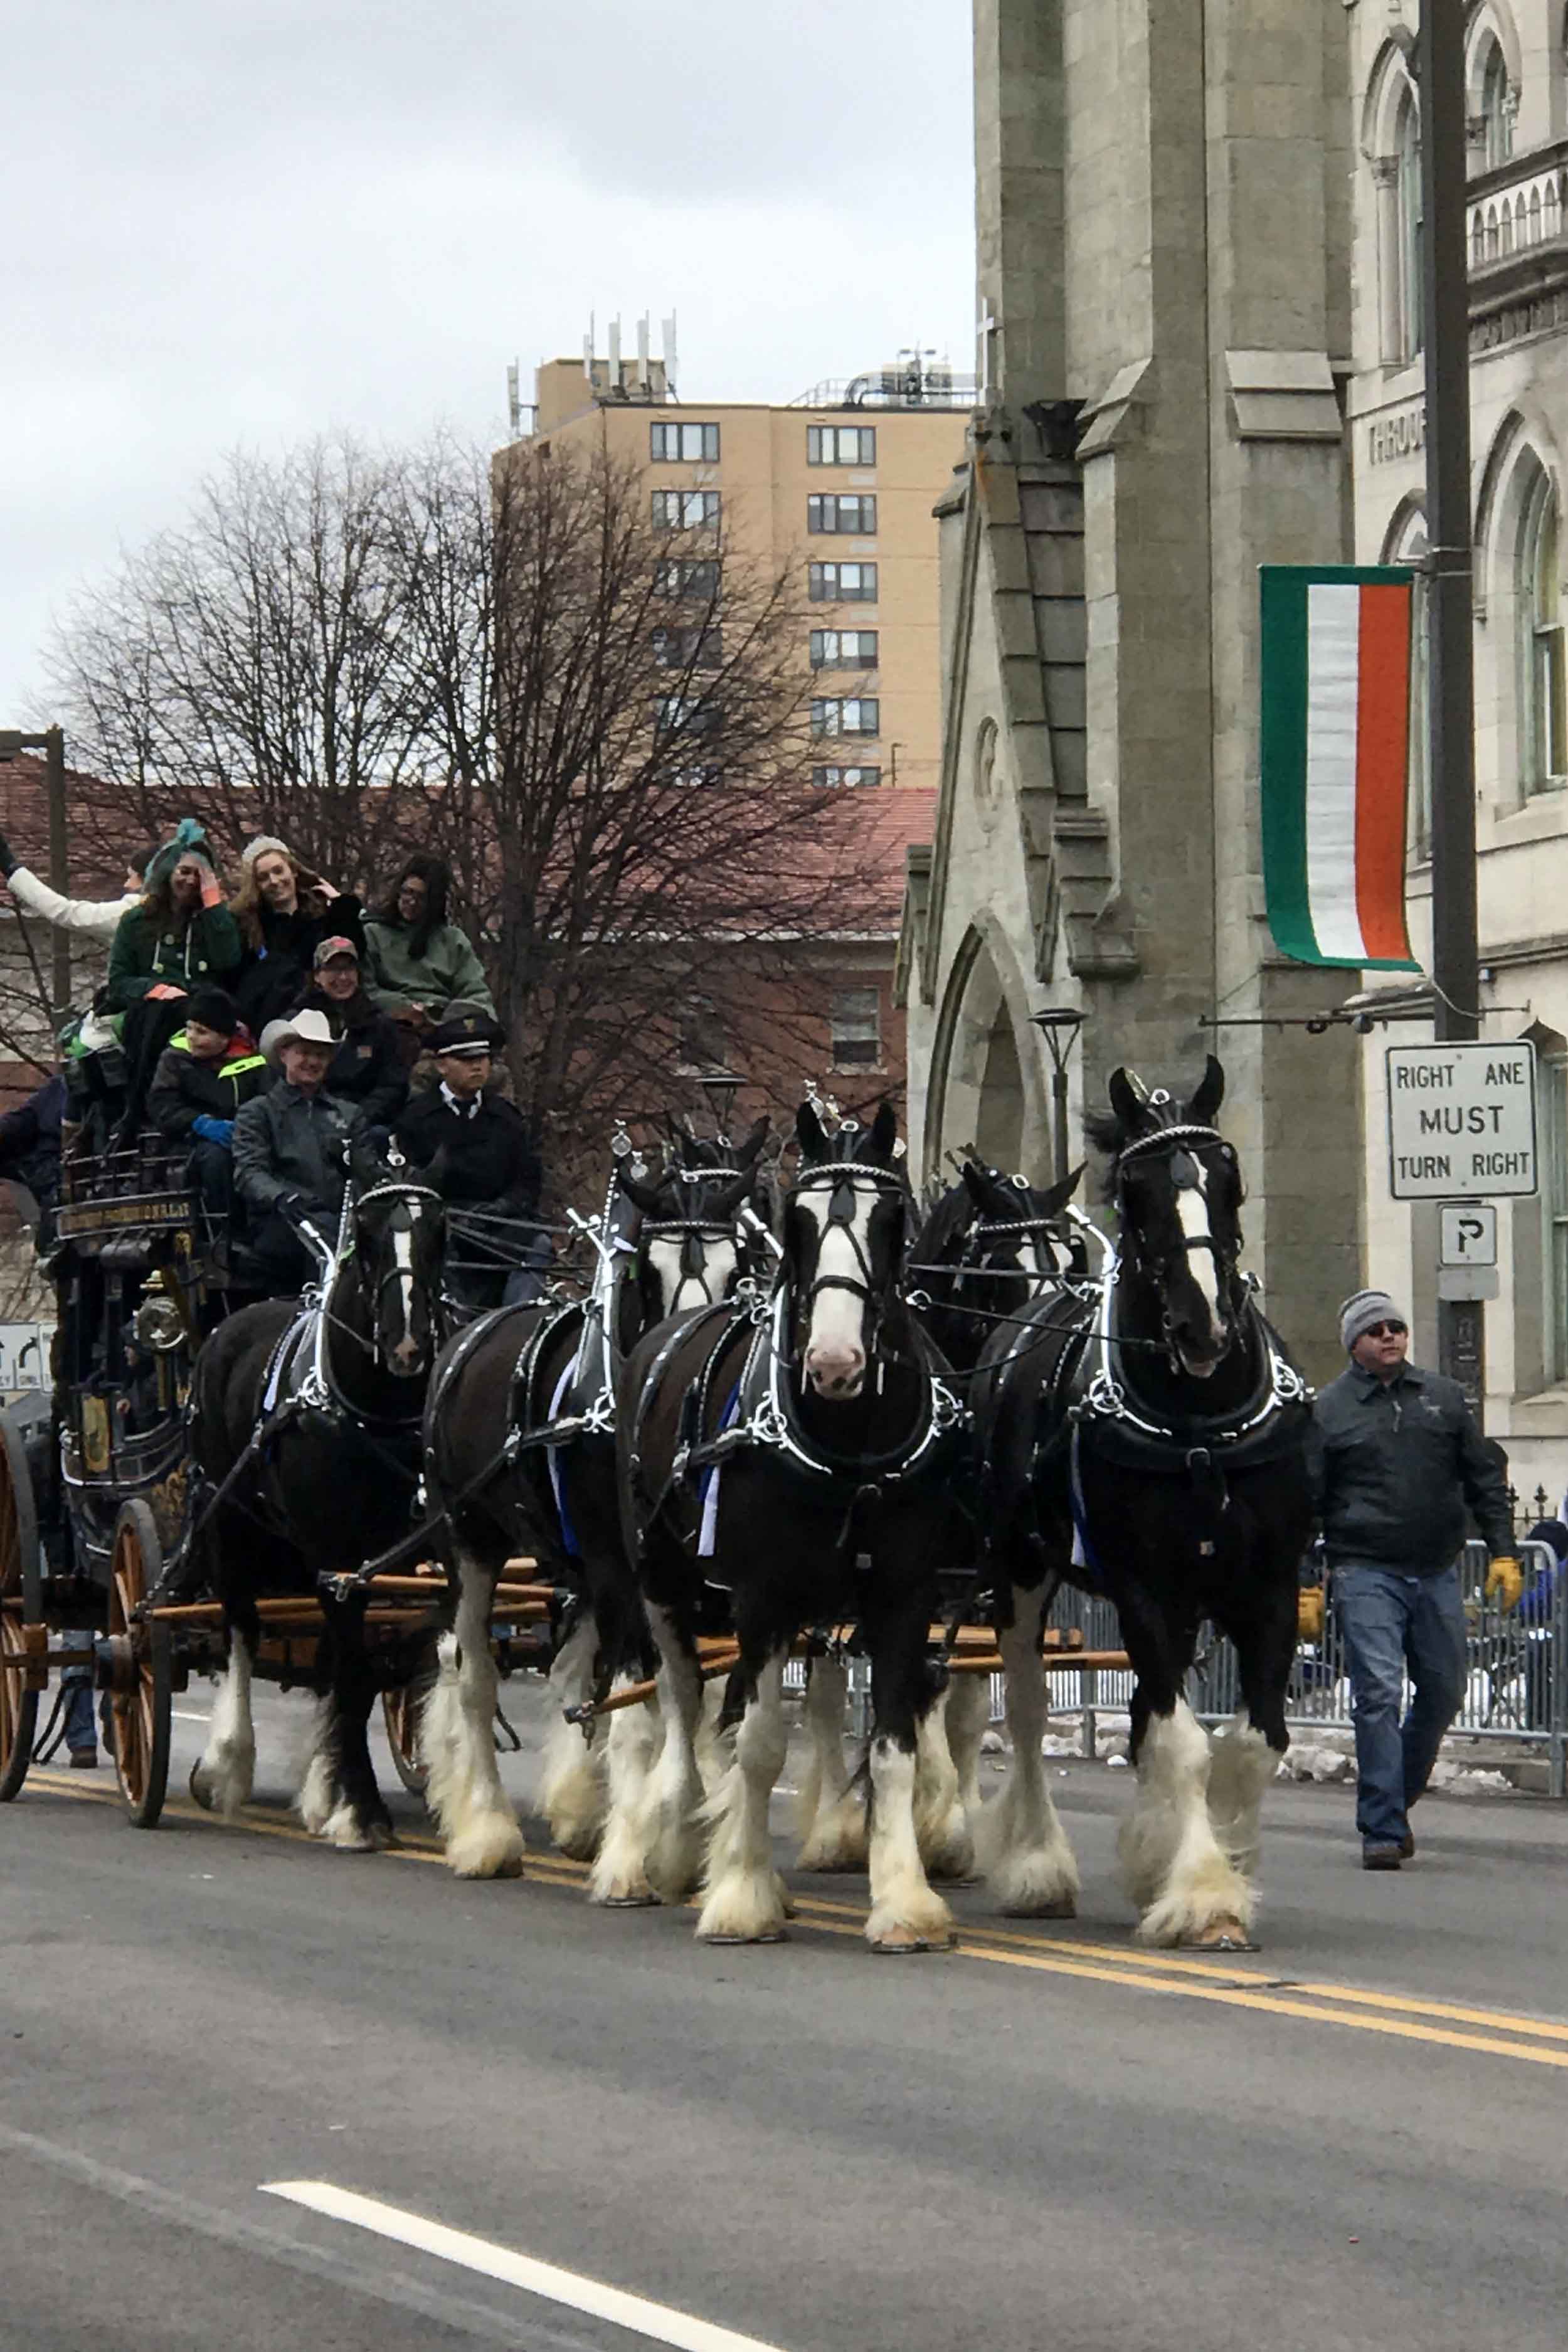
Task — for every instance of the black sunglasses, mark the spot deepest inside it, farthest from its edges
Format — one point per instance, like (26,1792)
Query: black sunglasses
(1384,1330)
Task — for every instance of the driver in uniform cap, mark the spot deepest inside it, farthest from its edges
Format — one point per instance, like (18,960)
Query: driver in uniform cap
(487,1162)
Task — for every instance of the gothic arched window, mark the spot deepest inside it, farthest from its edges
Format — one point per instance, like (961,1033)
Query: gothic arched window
(1497,114)
(1407,149)
(1543,679)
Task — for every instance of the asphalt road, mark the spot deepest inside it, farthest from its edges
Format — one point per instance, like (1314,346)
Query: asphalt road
(1043,2138)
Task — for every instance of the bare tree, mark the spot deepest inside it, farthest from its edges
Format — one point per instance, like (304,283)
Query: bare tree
(601,722)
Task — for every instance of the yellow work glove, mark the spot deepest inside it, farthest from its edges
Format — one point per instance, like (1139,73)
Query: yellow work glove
(1309,1614)
(1505,1583)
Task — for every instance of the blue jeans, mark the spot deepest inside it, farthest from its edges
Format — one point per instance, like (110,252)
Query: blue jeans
(1390,1621)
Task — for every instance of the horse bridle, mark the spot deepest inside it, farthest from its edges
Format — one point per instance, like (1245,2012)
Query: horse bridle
(694,1230)
(839,1181)
(404,1195)
(1189,1136)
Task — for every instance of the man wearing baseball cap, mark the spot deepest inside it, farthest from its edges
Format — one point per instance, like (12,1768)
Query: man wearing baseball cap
(1399,1463)
(488,1163)
(368,1067)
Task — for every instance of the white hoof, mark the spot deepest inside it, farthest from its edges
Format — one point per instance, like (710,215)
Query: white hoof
(912,1921)
(317,1801)
(838,1839)
(222,1781)
(574,1804)
(947,1845)
(490,1846)
(739,1910)
(1036,1884)
(344,1829)
(1214,1909)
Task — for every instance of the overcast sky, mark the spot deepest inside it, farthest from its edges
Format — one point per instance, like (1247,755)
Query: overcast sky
(244,221)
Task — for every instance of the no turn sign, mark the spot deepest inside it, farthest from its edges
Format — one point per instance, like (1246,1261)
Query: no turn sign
(1461,1121)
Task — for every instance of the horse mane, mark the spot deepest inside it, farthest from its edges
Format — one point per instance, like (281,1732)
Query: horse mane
(952,1216)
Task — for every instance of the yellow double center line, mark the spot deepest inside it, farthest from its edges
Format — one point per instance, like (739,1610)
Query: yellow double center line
(1495,2033)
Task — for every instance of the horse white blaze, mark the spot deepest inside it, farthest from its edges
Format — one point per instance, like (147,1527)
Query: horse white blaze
(456,1743)
(834,1341)
(222,1779)
(1186,1885)
(679,1291)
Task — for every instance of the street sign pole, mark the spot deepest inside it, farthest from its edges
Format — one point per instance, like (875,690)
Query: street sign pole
(1440,77)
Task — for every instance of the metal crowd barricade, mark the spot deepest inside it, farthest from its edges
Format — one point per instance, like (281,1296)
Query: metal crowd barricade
(1516,1684)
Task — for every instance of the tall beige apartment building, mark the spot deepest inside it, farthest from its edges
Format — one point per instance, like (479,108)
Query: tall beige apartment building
(841,482)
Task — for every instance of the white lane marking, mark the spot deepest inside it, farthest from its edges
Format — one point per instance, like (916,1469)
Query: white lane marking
(180,1716)
(622,2310)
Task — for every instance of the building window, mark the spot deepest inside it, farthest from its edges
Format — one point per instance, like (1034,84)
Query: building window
(843,649)
(857,1029)
(686,510)
(1544,687)
(855,514)
(1496,113)
(843,584)
(1411,233)
(840,445)
(685,714)
(684,445)
(831,778)
(838,716)
(700,582)
(1554,1072)
(687,648)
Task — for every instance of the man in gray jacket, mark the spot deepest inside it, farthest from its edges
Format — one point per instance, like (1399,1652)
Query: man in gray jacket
(1398,1462)
(290,1150)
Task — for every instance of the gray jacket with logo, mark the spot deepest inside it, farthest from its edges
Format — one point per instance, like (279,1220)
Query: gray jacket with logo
(1396,1464)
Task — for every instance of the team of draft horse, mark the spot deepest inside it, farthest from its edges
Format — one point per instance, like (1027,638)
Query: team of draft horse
(843,1430)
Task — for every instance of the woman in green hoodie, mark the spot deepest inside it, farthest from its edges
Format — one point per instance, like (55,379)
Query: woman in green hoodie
(418,961)
(179,935)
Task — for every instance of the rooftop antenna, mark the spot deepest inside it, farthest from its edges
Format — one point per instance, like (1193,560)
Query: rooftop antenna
(514,401)
(589,340)
(672,366)
(644,378)
(615,343)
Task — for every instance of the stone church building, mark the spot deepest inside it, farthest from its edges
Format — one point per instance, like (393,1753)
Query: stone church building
(1165,227)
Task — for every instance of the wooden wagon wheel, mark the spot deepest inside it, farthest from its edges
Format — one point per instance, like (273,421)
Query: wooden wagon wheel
(141,1688)
(21,1582)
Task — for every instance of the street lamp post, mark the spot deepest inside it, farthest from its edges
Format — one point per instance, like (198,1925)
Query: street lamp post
(722,1087)
(1058,1025)
(51,742)
(1444,265)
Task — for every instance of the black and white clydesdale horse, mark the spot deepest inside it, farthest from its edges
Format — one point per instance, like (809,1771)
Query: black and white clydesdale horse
(1150,1443)
(519,1451)
(801,1458)
(309,1417)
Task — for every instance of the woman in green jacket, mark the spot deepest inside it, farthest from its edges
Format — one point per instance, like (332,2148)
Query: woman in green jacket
(180,935)
(418,961)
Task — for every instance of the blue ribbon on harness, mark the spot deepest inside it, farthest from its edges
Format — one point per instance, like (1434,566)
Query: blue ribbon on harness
(1083,1551)
(573,1549)
(708,1483)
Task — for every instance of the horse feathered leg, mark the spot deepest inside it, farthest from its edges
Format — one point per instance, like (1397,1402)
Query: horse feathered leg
(1186,1885)
(1241,1765)
(906,1914)
(572,1795)
(619,1876)
(966,1713)
(1024,1852)
(744,1900)
(832,1808)
(224,1773)
(457,1741)
(941,1828)
(675,1792)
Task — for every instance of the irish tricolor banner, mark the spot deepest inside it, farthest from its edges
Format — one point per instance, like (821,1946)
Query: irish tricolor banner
(1336,756)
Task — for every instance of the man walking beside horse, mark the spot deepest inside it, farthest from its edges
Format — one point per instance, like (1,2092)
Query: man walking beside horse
(1399,1460)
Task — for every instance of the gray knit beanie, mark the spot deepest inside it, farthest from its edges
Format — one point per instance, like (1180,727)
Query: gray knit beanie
(1362,1309)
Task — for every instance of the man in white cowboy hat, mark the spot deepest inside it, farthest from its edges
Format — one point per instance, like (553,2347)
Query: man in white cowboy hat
(288,1150)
